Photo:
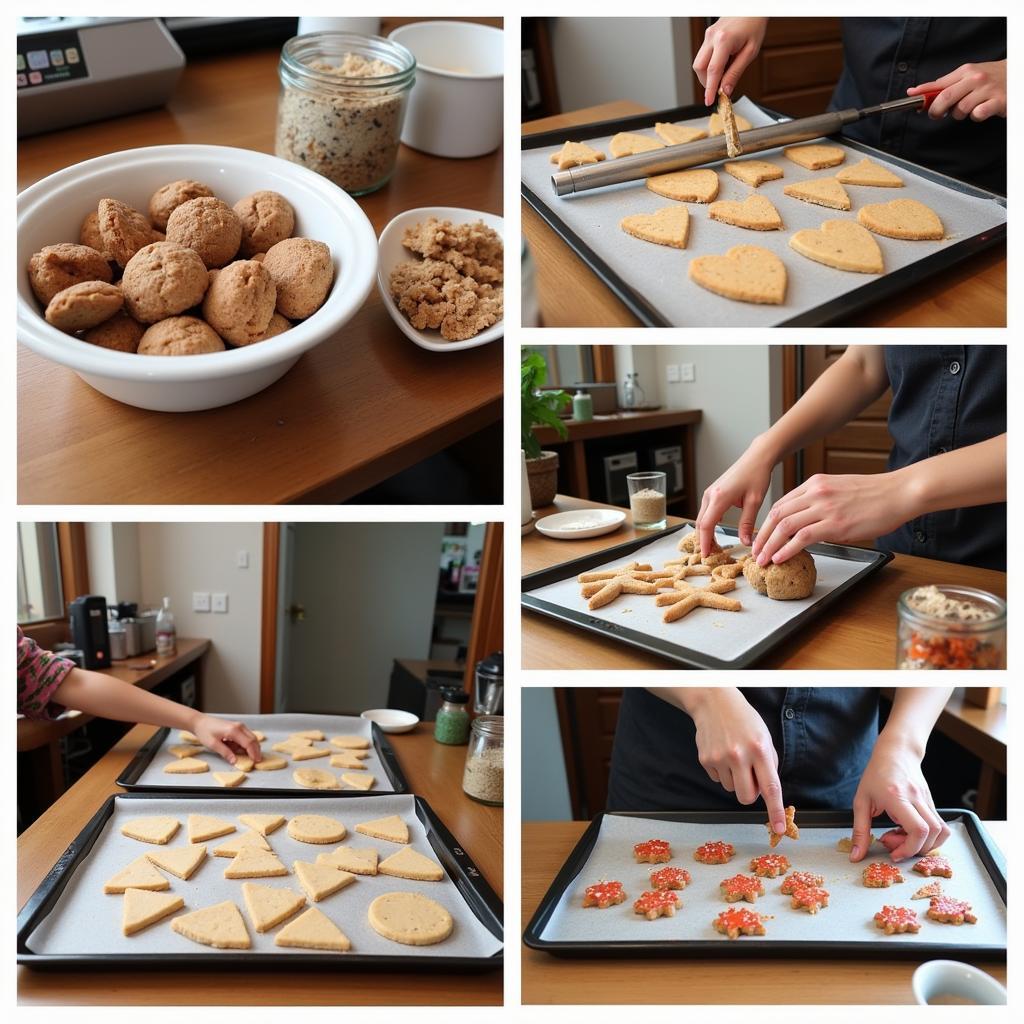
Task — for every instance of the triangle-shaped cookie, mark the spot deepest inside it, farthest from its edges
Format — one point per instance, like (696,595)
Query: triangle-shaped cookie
(364,781)
(753,172)
(244,840)
(668,226)
(159,830)
(313,930)
(867,172)
(230,779)
(677,134)
(221,926)
(140,874)
(202,827)
(821,191)
(757,213)
(842,244)
(392,829)
(696,186)
(185,749)
(143,908)
(629,143)
(243,763)
(576,154)
(251,862)
(188,737)
(815,156)
(179,860)
(306,734)
(309,753)
(268,906)
(262,823)
(360,861)
(407,863)
(290,746)
(186,766)
(346,759)
(321,880)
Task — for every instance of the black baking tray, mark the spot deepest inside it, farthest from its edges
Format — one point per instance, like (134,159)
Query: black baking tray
(128,779)
(873,561)
(828,313)
(991,859)
(480,897)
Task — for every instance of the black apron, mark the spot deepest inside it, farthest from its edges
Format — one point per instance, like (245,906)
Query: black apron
(883,57)
(823,736)
(946,397)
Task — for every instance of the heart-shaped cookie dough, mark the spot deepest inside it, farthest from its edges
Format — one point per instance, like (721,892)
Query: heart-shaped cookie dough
(757,213)
(700,186)
(867,172)
(753,172)
(821,191)
(629,143)
(668,226)
(902,218)
(842,244)
(746,273)
(815,156)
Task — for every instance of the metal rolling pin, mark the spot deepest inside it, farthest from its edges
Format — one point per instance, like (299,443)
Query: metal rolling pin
(704,151)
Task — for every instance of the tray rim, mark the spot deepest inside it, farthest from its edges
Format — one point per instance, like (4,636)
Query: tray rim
(993,860)
(830,313)
(673,651)
(474,889)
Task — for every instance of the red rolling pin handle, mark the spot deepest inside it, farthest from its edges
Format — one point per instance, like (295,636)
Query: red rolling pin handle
(929,98)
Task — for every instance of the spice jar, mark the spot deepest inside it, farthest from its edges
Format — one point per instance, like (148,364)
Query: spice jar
(451,725)
(948,627)
(342,104)
(484,777)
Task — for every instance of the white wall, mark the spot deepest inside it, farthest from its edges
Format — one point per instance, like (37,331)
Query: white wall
(113,553)
(545,792)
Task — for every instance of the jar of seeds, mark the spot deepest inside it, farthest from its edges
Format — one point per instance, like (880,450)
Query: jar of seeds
(484,778)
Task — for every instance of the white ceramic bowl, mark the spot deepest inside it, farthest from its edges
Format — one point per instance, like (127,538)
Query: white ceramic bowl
(390,720)
(944,978)
(53,209)
(580,524)
(456,106)
(391,252)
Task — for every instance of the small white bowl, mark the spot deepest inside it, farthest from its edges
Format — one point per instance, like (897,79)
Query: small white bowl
(937,978)
(391,252)
(455,108)
(581,524)
(53,209)
(390,720)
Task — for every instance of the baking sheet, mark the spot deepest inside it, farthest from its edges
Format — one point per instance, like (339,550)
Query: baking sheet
(86,921)
(276,728)
(659,273)
(847,918)
(725,636)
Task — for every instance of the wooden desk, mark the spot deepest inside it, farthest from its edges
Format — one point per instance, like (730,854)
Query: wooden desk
(548,979)
(352,412)
(434,772)
(859,633)
(972,294)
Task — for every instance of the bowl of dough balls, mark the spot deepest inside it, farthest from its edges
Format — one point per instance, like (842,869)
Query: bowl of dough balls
(179,278)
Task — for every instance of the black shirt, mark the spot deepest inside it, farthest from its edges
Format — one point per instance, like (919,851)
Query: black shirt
(883,57)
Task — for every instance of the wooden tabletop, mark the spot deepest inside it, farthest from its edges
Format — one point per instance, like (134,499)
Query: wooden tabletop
(434,772)
(352,412)
(548,979)
(620,422)
(972,294)
(857,633)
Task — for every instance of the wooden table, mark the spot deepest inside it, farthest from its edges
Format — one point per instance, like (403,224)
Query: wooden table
(548,979)
(352,412)
(858,633)
(434,772)
(972,294)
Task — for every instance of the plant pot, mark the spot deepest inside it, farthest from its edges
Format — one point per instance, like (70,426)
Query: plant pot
(543,474)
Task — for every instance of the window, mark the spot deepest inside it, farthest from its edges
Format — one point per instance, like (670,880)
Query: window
(40,586)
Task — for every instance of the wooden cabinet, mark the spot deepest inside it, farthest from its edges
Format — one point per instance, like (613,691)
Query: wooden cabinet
(587,717)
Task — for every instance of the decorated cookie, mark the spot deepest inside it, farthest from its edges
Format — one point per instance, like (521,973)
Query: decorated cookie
(926,892)
(655,904)
(769,865)
(715,852)
(808,897)
(604,895)
(947,910)
(670,878)
(896,920)
(792,832)
(741,887)
(932,865)
(654,851)
(798,880)
(737,921)
(880,875)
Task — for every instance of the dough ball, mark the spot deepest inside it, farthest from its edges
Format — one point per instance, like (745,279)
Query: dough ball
(123,229)
(84,305)
(209,226)
(161,280)
(786,581)
(167,198)
(56,267)
(303,272)
(240,302)
(120,332)
(267,218)
(180,336)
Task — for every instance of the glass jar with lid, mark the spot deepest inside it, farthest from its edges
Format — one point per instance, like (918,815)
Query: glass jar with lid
(342,104)
(484,777)
(950,627)
(451,725)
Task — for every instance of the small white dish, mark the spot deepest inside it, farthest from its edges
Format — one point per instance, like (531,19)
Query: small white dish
(391,252)
(390,720)
(948,981)
(581,524)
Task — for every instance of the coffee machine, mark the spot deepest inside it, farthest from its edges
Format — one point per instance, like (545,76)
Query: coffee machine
(88,615)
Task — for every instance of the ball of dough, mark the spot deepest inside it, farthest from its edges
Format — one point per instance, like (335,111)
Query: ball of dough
(163,279)
(786,581)
(123,229)
(84,305)
(240,302)
(120,332)
(302,271)
(56,267)
(267,218)
(167,198)
(180,336)
(209,226)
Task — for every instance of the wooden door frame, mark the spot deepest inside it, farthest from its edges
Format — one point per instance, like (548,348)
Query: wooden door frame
(74,578)
(790,395)
(268,616)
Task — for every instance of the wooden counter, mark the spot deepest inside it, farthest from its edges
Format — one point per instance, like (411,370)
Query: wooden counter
(434,772)
(858,633)
(548,979)
(352,412)
(972,294)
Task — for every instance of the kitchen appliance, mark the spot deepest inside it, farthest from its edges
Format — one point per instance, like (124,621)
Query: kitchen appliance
(88,617)
(118,640)
(140,634)
(489,685)
(670,462)
(616,469)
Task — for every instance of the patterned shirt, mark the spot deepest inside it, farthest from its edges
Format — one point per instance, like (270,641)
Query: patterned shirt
(39,674)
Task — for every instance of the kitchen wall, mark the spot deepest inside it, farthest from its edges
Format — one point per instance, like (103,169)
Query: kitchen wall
(545,792)
(113,553)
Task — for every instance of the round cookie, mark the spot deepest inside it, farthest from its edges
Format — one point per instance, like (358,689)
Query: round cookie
(89,234)
(84,305)
(162,280)
(180,336)
(315,778)
(240,302)
(786,581)
(316,828)
(209,226)
(167,198)
(123,229)
(410,918)
(120,333)
(56,267)
(267,218)
(278,325)
(303,272)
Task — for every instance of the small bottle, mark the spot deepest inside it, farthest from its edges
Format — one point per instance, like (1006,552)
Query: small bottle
(582,407)
(628,394)
(452,723)
(166,634)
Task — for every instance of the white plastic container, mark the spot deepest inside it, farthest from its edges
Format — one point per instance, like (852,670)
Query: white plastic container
(166,631)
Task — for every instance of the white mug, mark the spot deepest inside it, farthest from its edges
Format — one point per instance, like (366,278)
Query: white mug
(938,978)
(363,26)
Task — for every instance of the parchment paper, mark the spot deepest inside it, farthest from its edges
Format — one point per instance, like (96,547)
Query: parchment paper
(86,920)
(276,728)
(722,635)
(659,272)
(847,918)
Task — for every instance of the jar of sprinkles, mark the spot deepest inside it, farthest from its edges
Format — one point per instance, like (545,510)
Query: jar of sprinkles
(451,726)
(484,777)
(341,106)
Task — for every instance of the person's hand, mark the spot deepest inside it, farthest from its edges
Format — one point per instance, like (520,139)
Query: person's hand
(977,91)
(730,44)
(735,748)
(893,784)
(743,485)
(835,508)
(229,739)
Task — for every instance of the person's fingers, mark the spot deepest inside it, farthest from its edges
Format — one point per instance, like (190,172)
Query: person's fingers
(222,747)
(861,827)
(713,774)
(893,838)
(804,537)
(711,516)
(771,791)
(725,779)
(949,98)
(748,517)
(906,816)
(241,738)
(983,111)
(716,68)
(737,66)
(704,502)
(940,83)
(791,504)
(744,783)
(786,530)
(935,824)
(700,62)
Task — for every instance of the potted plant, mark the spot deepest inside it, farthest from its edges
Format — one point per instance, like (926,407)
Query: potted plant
(540,408)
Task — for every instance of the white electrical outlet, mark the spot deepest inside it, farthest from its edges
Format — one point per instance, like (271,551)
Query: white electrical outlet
(242,559)
(220,603)
(672,373)
(689,374)
(201,601)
